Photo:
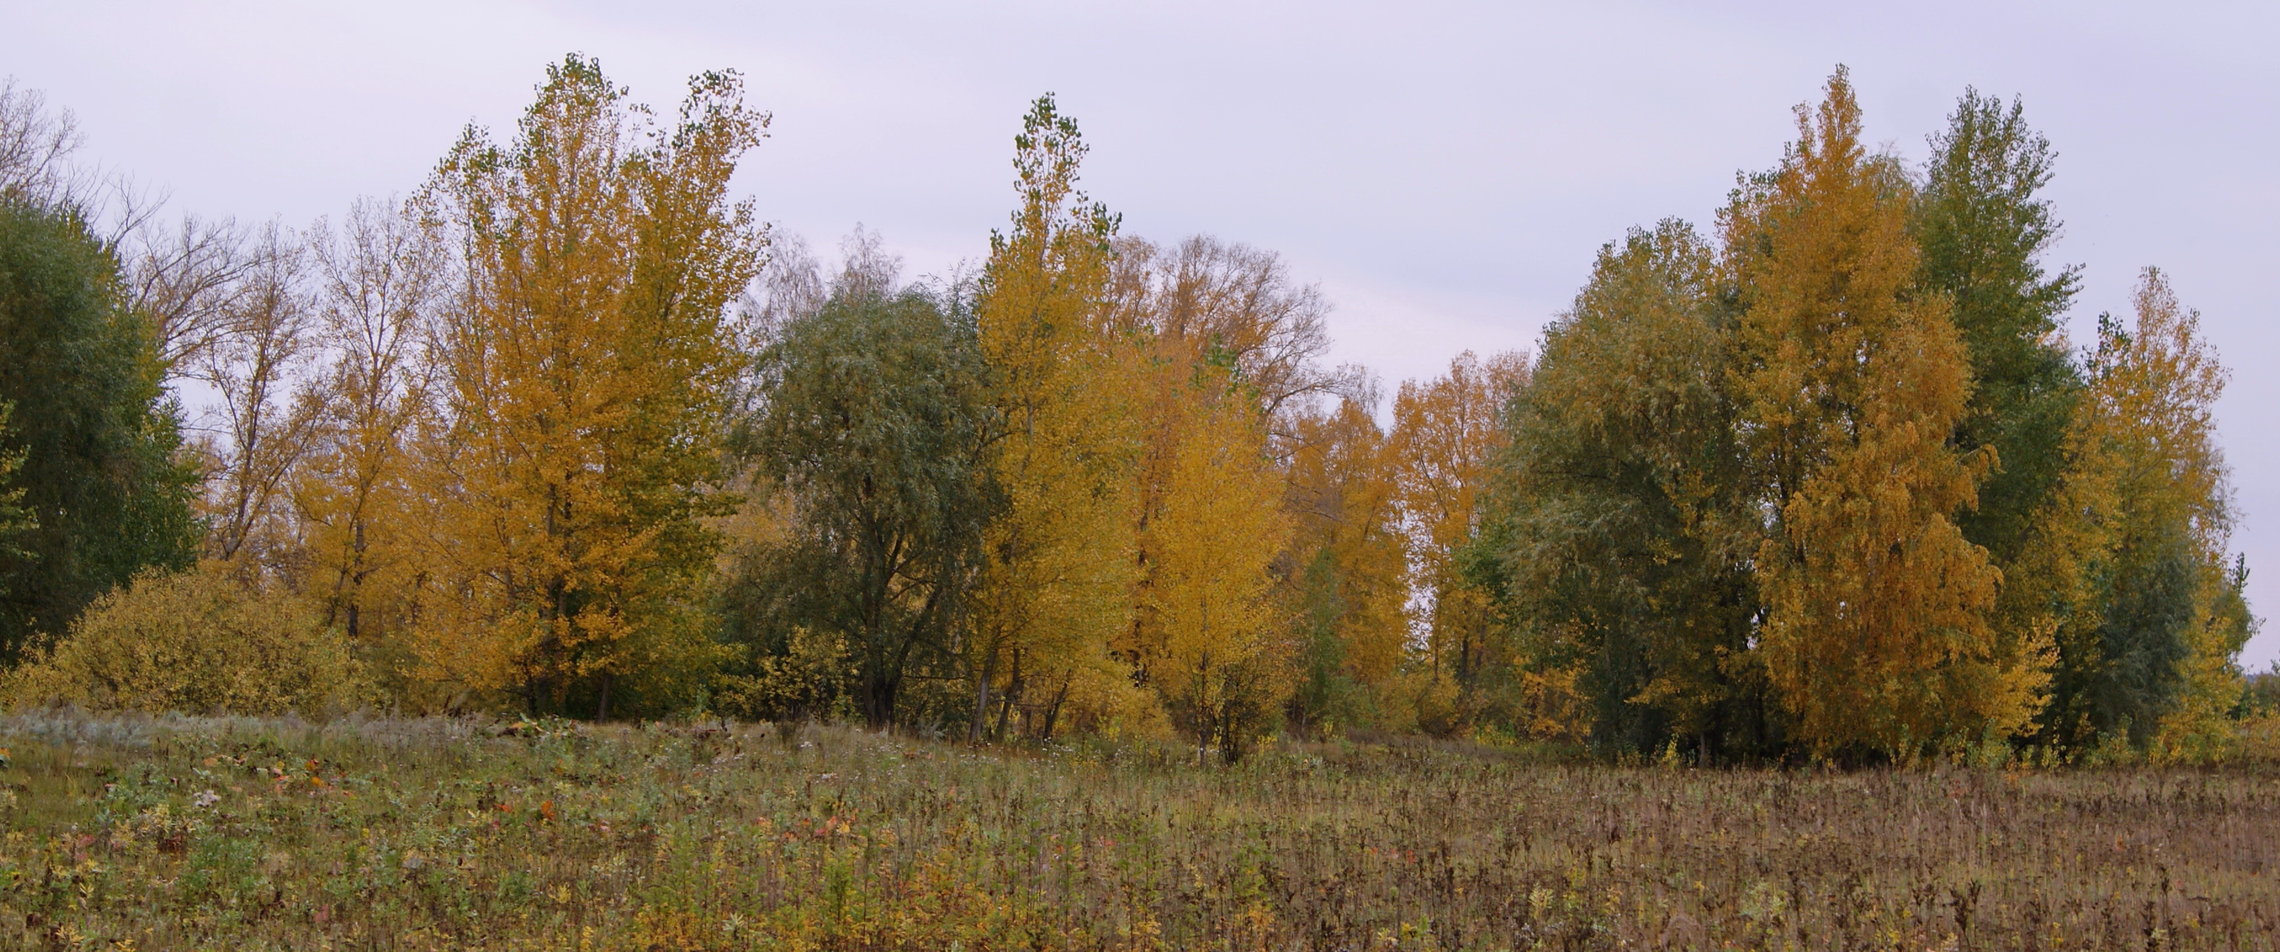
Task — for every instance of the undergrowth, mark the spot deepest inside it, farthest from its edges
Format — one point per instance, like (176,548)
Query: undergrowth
(195,833)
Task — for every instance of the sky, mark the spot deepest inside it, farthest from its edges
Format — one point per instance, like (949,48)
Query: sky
(1444,171)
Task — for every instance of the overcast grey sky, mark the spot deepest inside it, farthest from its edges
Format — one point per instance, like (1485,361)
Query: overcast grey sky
(1445,171)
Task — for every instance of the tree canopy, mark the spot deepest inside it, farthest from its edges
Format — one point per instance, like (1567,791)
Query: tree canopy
(570,431)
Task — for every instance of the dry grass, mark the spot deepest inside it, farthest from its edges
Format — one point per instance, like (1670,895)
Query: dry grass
(183,833)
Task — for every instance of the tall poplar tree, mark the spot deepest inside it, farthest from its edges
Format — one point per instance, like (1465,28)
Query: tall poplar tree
(1059,568)
(1877,634)
(585,367)
(1983,227)
(1213,644)
(2146,653)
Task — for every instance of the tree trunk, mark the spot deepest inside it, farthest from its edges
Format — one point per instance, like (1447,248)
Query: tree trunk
(1005,703)
(1053,712)
(879,701)
(981,699)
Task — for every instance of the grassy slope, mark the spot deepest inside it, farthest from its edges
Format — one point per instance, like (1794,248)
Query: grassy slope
(437,834)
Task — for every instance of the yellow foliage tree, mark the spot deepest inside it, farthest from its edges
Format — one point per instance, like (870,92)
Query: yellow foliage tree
(1350,561)
(1211,323)
(377,280)
(1877,633)
(2153,617)
(1218,652)
(1445,431)
(2175,380)
(583,370)
(1058,566)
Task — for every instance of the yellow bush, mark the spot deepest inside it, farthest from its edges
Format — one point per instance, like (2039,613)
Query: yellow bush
(198,641)
(813,678)
(1421,701)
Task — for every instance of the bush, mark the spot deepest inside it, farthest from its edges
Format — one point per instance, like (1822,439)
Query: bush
(813,679)
(197,641)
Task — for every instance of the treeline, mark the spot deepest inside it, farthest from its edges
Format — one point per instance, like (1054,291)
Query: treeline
(1834,482)
(570,431)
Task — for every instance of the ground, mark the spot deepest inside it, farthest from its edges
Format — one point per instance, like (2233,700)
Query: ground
(192,833)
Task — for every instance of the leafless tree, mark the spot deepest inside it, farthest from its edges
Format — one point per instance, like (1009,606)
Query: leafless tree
(35,146)
(1235,303)
(255,361)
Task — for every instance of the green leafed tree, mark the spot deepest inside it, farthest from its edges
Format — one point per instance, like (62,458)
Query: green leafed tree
(1620,524)
(1983,227)
(93,435)
(874,419)
(14,518)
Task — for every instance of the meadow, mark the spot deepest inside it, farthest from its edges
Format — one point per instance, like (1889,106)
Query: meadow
(126,832)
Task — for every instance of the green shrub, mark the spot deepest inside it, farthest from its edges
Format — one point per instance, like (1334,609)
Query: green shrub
(197,641)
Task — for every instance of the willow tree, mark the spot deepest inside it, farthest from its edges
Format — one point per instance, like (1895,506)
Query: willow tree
(584,366)
(872,424)
(1877,635)
(1619,520)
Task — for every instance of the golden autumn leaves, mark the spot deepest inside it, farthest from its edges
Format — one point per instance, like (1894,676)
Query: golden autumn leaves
(1882,627)
(1740,510)
(1760,532)
(1129,577)
(1877,631)
(1829,483)
(555,444)
(1191,540)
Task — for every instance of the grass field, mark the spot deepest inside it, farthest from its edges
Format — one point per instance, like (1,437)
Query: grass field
(243,834)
